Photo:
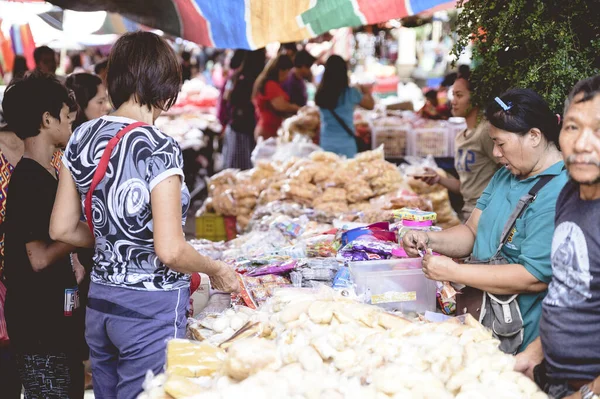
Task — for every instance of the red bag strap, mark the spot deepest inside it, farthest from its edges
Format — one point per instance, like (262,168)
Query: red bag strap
(102,166)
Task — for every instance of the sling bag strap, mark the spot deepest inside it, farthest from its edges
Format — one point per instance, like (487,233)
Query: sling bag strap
(520,209)
(102,167)
(341,122)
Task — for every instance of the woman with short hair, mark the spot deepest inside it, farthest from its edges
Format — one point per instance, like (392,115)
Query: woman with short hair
(142,263)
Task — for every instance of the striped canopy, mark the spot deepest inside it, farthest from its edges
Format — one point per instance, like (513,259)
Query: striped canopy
(251,24)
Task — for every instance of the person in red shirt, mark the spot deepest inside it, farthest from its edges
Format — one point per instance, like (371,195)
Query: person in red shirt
(270,100)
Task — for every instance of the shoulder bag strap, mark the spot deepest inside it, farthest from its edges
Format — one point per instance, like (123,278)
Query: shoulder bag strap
(520,209)
(341,122)
(101,169)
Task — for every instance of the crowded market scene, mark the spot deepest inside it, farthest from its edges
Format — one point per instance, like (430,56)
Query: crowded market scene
(370,199)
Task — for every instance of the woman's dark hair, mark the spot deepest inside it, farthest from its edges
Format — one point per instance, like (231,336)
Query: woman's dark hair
(431,95)
(464,71)
(449,79)
(333,84)
(590,88)
(85,87)
(520,110)
(100,67)
(143,65)
(26,100)
(76,60)
(271,72)
(19,67)
(237,59)
(304,59)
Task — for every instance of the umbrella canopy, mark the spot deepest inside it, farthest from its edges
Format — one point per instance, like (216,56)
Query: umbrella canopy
(251,24)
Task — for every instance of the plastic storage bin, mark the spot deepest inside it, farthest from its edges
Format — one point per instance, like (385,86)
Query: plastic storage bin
(395,284)
(213,227)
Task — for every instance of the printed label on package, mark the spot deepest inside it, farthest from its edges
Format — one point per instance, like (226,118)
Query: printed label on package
(394,297)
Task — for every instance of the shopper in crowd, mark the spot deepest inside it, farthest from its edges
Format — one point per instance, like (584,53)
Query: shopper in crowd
(474,159)
(92,101)
(76,64)
(186,65)
(271,101)
(567,352)
(290,49)
(19,69)
(100,70)
(239,134)
(525,134)
(337,101)
(11,152)
(91,97)
(223,111)
(295,84)
(140,279)
(39,273)
(45,60)
(431,108)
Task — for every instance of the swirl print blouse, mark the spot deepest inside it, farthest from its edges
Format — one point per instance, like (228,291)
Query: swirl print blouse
(122,217)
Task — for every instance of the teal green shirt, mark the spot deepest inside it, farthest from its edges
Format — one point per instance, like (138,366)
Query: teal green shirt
(531,239)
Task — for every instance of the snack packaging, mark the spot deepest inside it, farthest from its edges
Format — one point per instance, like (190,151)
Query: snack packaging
(446,297)
(193,359)
(414,215)
(321,246)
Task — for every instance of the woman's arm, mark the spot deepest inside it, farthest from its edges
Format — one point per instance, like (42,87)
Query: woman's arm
(169,241)
(495,279)
(65,223)
(41,254)
(367,101)
(282,105)
(450,182)
(456,242)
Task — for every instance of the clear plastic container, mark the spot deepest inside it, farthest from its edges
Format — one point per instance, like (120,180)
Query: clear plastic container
(395,284)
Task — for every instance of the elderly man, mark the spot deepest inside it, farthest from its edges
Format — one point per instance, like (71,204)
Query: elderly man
(568,350)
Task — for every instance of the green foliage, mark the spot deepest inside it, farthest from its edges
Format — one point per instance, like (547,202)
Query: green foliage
(545,45)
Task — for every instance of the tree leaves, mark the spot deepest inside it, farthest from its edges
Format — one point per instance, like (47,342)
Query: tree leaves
(545,45)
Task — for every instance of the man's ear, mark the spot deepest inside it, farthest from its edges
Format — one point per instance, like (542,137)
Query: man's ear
(46,120)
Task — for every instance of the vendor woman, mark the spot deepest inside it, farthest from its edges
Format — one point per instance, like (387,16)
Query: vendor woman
(525,134)
(474,160)
(140,277)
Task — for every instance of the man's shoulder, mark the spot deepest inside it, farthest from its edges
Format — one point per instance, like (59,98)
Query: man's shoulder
(569,191)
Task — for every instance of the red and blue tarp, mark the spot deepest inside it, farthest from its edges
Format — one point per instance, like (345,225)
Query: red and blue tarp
(251,24)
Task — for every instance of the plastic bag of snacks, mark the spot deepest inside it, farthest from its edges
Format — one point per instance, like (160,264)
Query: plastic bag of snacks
(322,246)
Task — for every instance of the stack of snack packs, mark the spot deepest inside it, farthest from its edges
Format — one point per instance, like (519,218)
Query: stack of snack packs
(324,182)
(307,122)
(318,344)
(438,195)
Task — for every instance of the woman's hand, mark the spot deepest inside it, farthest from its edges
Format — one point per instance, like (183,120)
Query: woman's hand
(431,177)
(78,268)
(225,279)
(439,268)
(415,241)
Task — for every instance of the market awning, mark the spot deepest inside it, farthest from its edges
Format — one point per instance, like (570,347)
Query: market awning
(251,24)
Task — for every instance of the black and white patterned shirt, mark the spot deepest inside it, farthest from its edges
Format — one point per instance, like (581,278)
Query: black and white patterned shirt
(121,212)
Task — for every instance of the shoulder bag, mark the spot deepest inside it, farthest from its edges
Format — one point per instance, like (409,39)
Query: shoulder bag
(361,146)
(500,313)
